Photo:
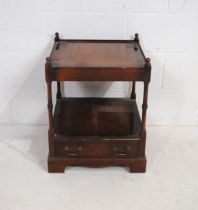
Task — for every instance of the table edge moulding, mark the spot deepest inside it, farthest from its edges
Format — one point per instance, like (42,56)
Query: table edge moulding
(96,132)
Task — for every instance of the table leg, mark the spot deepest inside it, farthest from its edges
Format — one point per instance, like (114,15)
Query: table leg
(58,94)
(133,94)
(143,125)
(50,116)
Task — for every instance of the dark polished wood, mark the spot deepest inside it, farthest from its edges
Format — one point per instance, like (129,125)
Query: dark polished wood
(97,55)
(57,165)
(95,147)
(97,132)
(97,60)
(96,116)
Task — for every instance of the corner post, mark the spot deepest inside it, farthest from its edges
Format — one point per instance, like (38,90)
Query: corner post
(57,40)
(133,94)
(145,105)
(58,94)
(50,107)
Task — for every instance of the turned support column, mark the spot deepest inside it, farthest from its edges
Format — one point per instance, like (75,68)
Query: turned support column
(50,116)
(50,105)
(144,107)
(58,94)
(57,40)
(133,94)
(50,108)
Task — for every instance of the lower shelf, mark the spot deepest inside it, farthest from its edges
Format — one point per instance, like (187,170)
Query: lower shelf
(96,116)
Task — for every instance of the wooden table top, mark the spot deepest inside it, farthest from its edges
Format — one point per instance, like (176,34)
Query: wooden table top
(97,54)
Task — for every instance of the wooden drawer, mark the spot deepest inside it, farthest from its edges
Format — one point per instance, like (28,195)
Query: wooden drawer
(100,148)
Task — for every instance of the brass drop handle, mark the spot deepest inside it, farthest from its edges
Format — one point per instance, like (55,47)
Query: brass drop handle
(121,152)
(72,151)
(79,148)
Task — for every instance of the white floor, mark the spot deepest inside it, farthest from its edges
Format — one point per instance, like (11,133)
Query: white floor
(171,180)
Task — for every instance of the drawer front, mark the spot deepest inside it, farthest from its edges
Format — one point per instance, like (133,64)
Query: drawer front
(96,148)
(124,148)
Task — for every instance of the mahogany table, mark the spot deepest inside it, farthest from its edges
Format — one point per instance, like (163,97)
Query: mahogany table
(97,132)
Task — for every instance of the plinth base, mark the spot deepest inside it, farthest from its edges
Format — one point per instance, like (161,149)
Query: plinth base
(58,165)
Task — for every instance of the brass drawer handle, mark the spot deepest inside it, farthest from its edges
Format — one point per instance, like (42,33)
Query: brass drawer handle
(73,151)
(79,148)
(66,148)
(121,151)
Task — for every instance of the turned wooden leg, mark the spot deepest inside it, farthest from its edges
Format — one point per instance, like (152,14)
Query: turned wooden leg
(50,109)
(58,94)
(50,116)
(50,105)
(144,108)
(133,94)
(142,142)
